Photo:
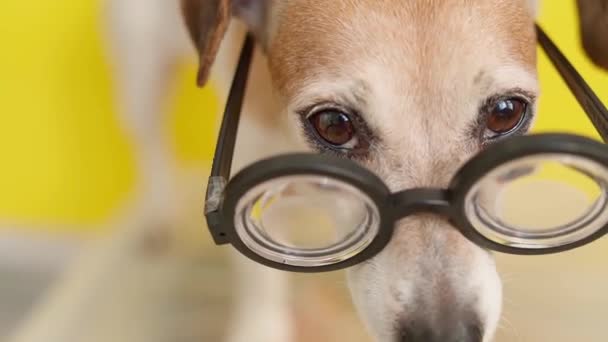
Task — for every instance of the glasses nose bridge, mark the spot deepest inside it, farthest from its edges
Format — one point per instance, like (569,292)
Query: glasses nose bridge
(420,200)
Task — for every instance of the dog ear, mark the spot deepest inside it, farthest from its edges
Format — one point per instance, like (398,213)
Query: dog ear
(207,22)
(593,16)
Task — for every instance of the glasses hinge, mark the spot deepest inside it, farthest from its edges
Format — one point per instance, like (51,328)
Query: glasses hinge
(215,193)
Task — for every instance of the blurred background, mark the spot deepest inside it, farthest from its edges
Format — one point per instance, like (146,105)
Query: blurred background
(67,169)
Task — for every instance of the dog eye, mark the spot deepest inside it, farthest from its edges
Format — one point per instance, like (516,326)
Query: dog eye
(333,126)
(506,115)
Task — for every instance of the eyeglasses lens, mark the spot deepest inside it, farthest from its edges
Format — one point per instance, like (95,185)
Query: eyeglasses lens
(540,201)
(306,220)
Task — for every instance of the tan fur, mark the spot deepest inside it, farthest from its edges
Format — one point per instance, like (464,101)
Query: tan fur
(306,42)
(207,22)
(594,29)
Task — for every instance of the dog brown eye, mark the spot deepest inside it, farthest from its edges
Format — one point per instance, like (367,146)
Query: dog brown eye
(333,126)
(506,115)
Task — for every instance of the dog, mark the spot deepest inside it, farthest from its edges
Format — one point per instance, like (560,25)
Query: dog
(418,80)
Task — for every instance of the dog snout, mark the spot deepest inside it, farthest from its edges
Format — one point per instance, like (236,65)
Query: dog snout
(460,329)
(429,284)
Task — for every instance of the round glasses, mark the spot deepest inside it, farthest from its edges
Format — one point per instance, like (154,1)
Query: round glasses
(534,194)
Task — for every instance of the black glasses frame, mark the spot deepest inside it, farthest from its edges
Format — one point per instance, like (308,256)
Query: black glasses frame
(223,193)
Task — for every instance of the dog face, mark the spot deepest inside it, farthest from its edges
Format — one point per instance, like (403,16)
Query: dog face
(411,90)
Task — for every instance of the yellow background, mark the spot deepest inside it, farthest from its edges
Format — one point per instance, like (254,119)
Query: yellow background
(64,160)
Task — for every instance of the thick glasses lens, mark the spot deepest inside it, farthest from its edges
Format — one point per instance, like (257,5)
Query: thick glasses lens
(540,201)
(306,220)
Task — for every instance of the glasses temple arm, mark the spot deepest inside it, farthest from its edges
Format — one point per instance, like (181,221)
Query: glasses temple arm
(595,109)
(224,150)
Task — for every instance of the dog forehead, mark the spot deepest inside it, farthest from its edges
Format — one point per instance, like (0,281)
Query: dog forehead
(318,38)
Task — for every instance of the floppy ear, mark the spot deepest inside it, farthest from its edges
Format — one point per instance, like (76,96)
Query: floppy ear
(594,30)
(207,22)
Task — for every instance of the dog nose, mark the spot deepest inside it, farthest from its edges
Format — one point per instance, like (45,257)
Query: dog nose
(463,330)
